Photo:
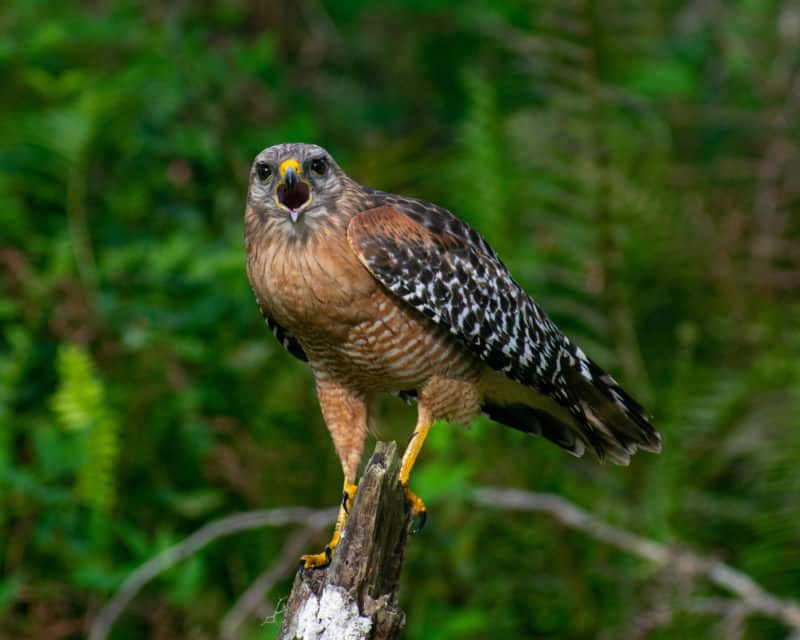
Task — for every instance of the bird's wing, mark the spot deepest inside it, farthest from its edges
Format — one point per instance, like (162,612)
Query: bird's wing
(447,271)
(288,341)
(461,284)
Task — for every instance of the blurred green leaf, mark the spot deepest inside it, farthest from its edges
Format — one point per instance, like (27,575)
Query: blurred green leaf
(663,79)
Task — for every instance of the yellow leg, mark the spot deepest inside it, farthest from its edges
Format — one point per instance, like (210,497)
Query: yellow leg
(409,458)
(312,560)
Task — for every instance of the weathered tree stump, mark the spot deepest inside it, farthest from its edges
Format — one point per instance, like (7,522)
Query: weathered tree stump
(355,597)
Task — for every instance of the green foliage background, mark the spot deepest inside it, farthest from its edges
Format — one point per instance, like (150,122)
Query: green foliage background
(637,165)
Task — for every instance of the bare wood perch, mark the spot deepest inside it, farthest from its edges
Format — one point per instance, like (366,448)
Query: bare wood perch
(369,560)
(355,597)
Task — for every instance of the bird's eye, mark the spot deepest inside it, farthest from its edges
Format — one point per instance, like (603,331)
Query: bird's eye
(263,171)
(319,166)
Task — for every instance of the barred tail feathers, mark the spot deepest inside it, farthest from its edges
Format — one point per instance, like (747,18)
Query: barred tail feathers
(591,412)
(613,423)
(536,422)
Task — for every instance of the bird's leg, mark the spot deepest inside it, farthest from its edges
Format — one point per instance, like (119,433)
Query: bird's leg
(345,413)
(424,422)
(312,560)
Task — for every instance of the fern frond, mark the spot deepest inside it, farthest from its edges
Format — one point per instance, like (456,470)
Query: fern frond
(482,169)
(80,407)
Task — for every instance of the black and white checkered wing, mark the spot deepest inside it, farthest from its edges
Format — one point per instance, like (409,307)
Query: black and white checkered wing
(444,269)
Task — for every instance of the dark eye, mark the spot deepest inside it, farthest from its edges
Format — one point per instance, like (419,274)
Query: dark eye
(263,171)
(319,166)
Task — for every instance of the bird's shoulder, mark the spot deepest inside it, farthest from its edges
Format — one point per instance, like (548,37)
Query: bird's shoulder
(437,220)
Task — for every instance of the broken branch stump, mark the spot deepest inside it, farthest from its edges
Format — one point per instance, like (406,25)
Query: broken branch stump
(355,597)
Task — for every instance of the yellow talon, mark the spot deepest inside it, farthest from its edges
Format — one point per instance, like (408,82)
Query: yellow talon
(418,507)
(414,501)
(409,458)
(317,560)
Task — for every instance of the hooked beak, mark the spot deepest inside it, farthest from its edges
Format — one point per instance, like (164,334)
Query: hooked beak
(290,178)
(293,192)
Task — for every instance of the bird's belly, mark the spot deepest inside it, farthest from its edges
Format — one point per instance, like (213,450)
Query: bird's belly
(353,331)
(396,349)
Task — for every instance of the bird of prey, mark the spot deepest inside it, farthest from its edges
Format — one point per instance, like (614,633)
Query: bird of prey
(384,293)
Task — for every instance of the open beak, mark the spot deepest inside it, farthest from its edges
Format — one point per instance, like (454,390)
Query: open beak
(293,192)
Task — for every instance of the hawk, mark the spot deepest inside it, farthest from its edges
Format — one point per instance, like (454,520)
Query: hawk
(384,293)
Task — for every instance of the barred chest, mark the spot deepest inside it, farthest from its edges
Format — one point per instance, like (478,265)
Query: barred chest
(350,327)
(315,287)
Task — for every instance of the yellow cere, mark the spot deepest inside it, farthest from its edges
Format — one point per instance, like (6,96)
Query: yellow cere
(294,164)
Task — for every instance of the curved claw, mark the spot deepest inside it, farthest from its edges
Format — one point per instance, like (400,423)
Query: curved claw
(348,495)
(419,523)
(418,507)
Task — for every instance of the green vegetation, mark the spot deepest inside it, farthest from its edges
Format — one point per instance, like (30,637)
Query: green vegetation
(636,166)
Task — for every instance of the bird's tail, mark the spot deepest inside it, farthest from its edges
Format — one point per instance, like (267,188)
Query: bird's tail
(536,422)
(613,423)
(599,416)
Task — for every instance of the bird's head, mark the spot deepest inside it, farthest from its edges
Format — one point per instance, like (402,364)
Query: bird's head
(295,182)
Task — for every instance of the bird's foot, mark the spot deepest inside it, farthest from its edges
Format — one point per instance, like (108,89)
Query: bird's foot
(417,506)
(319,560)
(316,560)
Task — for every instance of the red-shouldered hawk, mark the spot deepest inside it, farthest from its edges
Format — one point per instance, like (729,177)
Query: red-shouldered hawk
(379,292)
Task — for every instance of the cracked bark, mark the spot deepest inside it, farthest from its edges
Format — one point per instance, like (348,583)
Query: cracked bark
(355,597)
